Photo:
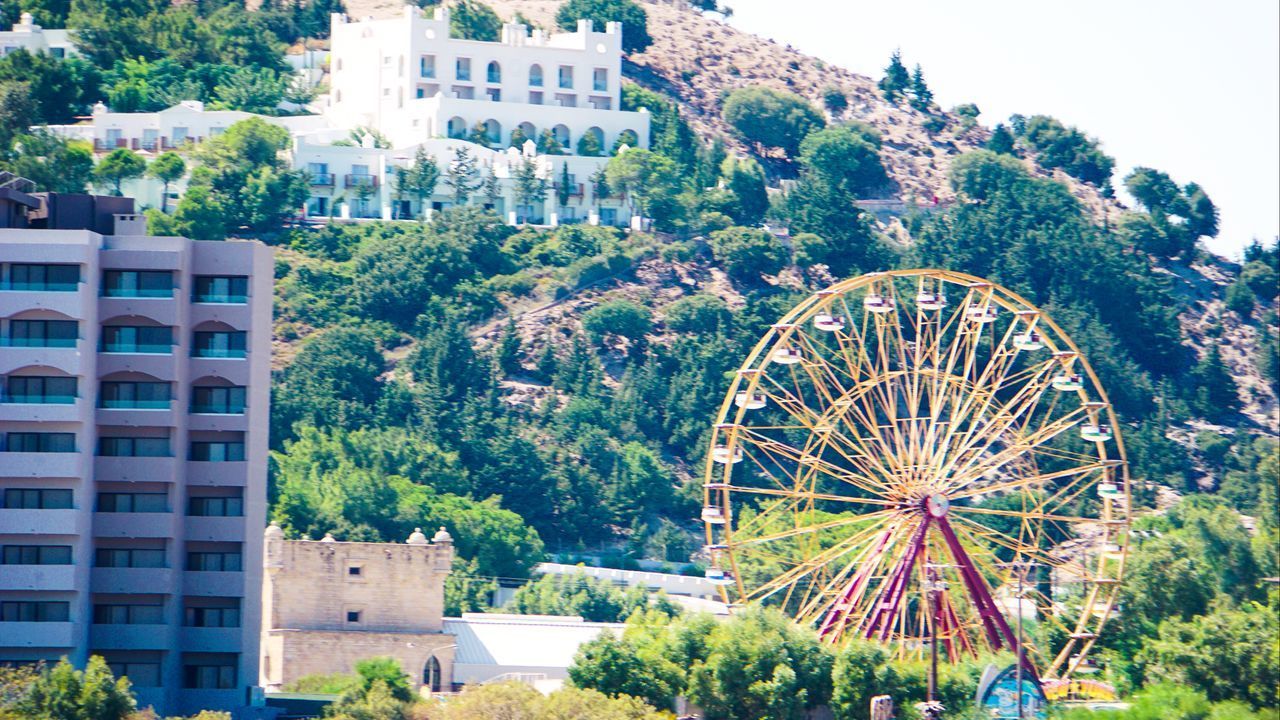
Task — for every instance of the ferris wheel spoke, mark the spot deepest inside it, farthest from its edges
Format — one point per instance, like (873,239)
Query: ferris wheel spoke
(1032,514)
(776,449)
(1030,480)
(828,525)
(802,569)
(974,530)
(972,468)
(806,495)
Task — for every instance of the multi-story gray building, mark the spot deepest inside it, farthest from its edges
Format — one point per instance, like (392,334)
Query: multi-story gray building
(134,391)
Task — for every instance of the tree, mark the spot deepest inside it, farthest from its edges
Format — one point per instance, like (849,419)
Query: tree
(635,22)
(396,277)
(835,100)
(745,179)
(748,254)
(771,118)
(616,668)
(921,95)
(1001,141)
(509,351)
(589,145)
(592,599)
(648,180)
(333,381)
(61,89)
(699,314)
(1202,214)
(760,665)
(473,20)
(250,89)
(117,166)
(548,144)
(200,215)
(167,167)
(1059,146)
(463,175)
(563,188)
(896,79)
(1223,654)
(418,180)
(1154,190)
(244,171)
(65,693)
(52,163)
(1215,396)
(845,158)
(863,670)
(530,186)
(17,111)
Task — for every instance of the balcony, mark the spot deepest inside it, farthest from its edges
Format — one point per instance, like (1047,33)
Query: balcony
(135,469)
(135,417)
(129,580)
(209,639)
(158,366)
(142,525)
(575,189)
(41,465)
(217,422)
(64,410)
(66,359)
(162,309)
(39,634)
(322,180)
(23,521)
(217,529)
(129,637)
(208,583)
(235,370)
(66,300)
(235,313)
(39,577)
(352,181)
(218,474)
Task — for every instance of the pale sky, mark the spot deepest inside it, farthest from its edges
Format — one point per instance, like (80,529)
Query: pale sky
(1185,86)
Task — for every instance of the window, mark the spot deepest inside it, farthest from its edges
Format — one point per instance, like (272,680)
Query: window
(218,400)
(37,499)
(35,611)
(535,75)
(140,674)
(214,561)
(566,76)
(215,507)
(215,617)
(135,395)
(493,72)
(431,674)
(40,442)
(600,79)
(353,616)
(137,283)
(209,677)
(231,288)
(41,390)
(133,502)
(217,451)
(49,278)
(35,555)
(494,94)
(137,339)
(42,333)
(133,447)
(535,98)
(179,135)
(111,614)
(463,69)
(427,66)
(129,558)
(219,344)
(354,570)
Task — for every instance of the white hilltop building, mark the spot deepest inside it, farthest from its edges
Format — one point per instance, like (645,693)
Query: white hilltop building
(403,84)
(26,35)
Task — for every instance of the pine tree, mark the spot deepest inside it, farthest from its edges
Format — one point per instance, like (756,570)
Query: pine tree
(548,363)
(896,80)
(509,350)
(1001,141)
(921,95)
(463,176)
(1216,397)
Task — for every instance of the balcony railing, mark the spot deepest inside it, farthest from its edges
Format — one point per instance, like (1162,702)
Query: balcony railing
(30,342)
(220,298)
(40,286)
(137,347)
(218,353)
(46,399)
(575,190)
(322,179)
(360,181)
(134,405)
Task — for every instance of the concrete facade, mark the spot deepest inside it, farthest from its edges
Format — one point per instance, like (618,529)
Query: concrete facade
(26,35)
(327,605)
(133,448)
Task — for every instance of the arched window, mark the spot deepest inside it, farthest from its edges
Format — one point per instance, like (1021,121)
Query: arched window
(493,73)
(457,128)
(561,134)
(431,675)
(493,131)
(535,75)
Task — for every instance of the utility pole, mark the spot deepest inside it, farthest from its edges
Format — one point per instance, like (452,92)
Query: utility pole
(1021,567)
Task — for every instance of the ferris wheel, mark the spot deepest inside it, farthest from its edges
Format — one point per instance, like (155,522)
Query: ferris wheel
(916,455)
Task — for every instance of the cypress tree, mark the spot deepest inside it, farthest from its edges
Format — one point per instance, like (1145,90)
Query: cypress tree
(921,95)
(895,80)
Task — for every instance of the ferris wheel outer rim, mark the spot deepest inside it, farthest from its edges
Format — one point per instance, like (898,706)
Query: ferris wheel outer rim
(753,365)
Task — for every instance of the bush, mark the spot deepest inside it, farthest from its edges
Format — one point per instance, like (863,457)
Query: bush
(697,314)
(748,253)
(635,23)
(617,317)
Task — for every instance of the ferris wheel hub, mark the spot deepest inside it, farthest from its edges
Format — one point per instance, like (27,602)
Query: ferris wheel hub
(937,505)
